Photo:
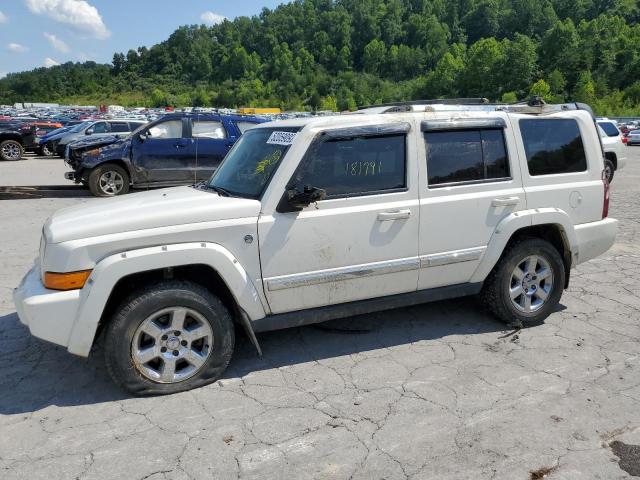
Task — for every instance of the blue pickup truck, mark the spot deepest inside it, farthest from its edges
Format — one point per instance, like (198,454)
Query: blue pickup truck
(177,149)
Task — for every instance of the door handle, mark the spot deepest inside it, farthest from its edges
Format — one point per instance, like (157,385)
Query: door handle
(505,201)
(395,215)
(180,145)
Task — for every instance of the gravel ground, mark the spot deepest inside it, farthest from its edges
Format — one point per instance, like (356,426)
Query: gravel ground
(436,391)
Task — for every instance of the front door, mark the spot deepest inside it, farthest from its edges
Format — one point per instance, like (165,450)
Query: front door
(470,181)
(362,240)
(163,154)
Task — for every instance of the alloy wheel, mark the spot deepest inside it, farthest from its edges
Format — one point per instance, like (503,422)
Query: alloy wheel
(172,345)
(531,284)
(11,151)
(111,182)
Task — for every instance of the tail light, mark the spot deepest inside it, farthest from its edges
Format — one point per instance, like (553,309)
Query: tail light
(625,139)
(607,191)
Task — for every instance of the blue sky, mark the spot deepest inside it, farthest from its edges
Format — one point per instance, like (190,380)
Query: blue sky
(36,33)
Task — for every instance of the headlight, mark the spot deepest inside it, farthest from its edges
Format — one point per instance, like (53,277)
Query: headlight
(66,281)
(95,151)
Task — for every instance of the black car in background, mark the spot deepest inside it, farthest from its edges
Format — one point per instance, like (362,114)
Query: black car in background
(177,149)
(15,138)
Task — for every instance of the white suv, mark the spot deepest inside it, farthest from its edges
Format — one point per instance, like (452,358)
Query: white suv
(313,219)
(613,143)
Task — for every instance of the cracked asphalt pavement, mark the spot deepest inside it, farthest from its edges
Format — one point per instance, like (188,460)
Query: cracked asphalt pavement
(439,391)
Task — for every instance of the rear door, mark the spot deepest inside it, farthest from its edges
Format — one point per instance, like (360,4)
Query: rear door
(163,154)
(470,181)
(213,138)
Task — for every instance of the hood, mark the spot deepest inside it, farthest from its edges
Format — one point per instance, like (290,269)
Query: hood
(70,137)
(145,210)
(95,141)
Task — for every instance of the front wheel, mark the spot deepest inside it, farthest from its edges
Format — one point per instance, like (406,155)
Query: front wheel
(526,284)
(108,180)
(168,338)
(11,150)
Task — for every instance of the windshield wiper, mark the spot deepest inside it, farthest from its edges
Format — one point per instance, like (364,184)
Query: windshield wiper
(219,190)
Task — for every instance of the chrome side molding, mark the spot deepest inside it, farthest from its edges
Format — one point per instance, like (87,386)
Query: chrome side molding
(455,256)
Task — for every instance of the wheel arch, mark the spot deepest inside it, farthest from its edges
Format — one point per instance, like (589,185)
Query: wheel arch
(613,157)
(207,264)
(115,161)
(550,224)
(12,136)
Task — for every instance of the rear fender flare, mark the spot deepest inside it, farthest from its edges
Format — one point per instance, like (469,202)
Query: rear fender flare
(107,273)
(509,225)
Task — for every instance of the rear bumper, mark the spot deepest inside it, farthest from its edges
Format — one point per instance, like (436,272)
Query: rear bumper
(595,238)
(49,314)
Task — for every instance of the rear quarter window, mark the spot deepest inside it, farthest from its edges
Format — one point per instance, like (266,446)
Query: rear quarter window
(553,146)
(609,128)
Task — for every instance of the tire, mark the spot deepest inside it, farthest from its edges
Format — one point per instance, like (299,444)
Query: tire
(152,308)
(11,150)
(101,185)
(609,169)
(47,151)
(496,291)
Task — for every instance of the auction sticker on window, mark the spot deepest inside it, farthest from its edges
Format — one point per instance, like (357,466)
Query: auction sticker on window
(282,138)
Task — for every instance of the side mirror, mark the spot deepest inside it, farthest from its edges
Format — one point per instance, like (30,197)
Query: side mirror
(88,132)
(294,201)
(143,136)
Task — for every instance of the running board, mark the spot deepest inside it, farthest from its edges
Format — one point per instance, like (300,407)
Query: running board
(342,310)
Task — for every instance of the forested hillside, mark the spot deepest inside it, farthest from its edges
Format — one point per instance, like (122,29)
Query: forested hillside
(336,54)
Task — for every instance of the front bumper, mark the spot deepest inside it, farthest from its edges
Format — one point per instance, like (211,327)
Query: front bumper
(595,238)
(49,314)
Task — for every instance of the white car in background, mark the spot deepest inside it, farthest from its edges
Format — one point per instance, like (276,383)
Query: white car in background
(614,148)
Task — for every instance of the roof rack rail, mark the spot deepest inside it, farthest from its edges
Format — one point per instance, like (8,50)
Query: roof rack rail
(534,106)
(433,101)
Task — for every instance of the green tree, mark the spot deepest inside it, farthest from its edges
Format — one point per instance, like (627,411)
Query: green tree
(585,90)
(375,54)
(541,89)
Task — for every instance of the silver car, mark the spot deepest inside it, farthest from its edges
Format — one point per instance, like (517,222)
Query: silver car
(100,128)
(633,137)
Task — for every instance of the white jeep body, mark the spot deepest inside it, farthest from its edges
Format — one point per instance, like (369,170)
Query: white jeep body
(339,251)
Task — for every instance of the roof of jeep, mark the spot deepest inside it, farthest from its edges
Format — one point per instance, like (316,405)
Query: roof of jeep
(364,118)
(391,113)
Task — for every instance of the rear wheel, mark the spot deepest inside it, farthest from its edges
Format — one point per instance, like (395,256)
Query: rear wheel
(609,170)
(108,180)
(526,284)
(168,338)
(11,150)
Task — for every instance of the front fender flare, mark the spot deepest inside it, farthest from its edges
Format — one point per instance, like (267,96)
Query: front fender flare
(517,221)
(107,273)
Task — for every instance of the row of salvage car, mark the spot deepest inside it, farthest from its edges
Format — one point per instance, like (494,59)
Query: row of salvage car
(113,156)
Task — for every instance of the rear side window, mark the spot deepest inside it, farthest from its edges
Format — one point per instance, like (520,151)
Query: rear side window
(466,156)
(355,166)
(609,128)
(208,129)
(119,127)
(553,146)
(243,126)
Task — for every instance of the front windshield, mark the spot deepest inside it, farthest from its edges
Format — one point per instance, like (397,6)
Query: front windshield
(79,127)
(249,165)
